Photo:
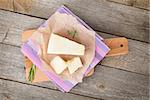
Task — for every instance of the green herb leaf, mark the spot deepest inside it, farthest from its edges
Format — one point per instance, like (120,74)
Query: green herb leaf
(32,73)
(72,33)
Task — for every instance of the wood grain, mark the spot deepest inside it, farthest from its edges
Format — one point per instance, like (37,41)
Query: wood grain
(7,4)
(126,2)
(24,5)
(20,21)
(106,83)
(3,31)
(144,4)
(118,46)
(16,24)
(13,5)
(135,61)
(16,91)
(102,15)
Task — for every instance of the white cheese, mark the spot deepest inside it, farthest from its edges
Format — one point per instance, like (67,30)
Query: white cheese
(58,64)
(62,45)
(74,64)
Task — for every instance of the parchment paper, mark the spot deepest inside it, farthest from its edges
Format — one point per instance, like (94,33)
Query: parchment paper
(60,24)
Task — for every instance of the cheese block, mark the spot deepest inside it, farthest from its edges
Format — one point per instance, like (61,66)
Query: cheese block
(61,45)
(58,64)
(74,64)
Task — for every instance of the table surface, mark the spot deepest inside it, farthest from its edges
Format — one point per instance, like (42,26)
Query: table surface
(115,78)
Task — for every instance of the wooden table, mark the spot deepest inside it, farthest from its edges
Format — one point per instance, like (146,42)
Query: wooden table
(115,78)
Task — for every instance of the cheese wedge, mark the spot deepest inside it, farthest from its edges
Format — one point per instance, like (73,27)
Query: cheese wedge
(58,64)
(74,64)
(62,45)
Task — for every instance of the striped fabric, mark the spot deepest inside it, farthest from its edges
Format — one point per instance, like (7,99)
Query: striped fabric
(29,50)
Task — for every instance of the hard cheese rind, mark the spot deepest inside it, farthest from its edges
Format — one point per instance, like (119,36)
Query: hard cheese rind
(74,64)
(58,64)
(62,45)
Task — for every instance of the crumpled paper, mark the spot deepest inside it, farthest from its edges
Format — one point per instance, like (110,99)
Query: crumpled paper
(60,24)
(36,47)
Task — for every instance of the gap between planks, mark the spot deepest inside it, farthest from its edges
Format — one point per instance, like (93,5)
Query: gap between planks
(94,30)
(23,14)
(124,17)
(103,32)
(97,64)
(46,88)
(36,20)
(130,5)
(122,36)
(32,21)
(129,83)
(13,45)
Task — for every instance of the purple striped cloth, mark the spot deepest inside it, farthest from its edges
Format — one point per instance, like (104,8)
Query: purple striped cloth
(30,50)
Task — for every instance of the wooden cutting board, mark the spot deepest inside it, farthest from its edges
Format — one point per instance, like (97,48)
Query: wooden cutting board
(118,46)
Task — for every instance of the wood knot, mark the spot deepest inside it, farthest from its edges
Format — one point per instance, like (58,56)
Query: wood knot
(6,96)
(101,86)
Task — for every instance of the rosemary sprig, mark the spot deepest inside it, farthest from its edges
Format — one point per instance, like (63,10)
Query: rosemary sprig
(72,33)
(32,73)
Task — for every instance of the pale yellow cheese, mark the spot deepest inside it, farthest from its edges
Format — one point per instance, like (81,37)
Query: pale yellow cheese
(62,45)
(58,64)
(74,64)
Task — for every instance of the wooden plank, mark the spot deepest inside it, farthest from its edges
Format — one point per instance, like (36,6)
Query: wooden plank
(110,93)
(131,62)
(16,91)
(102,15)
(136,60)
(24,6)
(6,4)
(126,2)
(13,5)
(19,21)
(105,83)
(112,18)
(16,21)
(144,4)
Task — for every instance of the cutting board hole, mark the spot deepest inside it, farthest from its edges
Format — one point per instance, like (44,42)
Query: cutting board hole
(121,45)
